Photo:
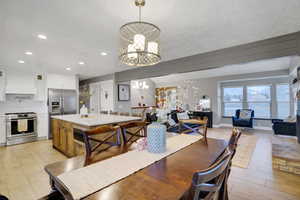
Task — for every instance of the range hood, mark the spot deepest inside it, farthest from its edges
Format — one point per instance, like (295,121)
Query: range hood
(20,84)
(21,91)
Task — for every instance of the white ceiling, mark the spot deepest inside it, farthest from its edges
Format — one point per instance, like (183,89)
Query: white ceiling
(78,30)
(246,68)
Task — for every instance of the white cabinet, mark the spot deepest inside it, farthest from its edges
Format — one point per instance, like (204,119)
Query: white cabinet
(42,125)
(57,81)
(20,83)
(2,85)
(2,130)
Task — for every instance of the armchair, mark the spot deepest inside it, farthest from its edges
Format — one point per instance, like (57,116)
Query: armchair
(240,120)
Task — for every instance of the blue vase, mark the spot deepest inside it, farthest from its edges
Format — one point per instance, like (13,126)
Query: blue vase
(156,138)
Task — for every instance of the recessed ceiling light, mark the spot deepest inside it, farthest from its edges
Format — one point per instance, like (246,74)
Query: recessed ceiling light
(81,63)
(103,53)
(68,68)
(21,61)
(43,37)
(28,53)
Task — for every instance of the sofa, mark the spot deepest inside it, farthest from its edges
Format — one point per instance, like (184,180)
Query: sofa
(280,127)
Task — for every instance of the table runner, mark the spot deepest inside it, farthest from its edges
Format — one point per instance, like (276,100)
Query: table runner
(90,179)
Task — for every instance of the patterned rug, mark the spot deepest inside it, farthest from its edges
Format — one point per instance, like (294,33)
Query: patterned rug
(246,145)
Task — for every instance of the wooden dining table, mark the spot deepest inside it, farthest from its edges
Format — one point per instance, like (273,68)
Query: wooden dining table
(166,179)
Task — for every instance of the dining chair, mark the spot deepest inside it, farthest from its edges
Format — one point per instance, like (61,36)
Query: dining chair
(234,138)
(103,112)
(208,184)
(232,146)
(134,129)
(194,126)
(100,139)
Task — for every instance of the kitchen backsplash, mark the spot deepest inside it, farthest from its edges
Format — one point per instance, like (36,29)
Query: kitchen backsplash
(22,103)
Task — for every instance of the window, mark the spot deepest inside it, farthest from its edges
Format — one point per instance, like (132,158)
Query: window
(283,100)
(259,100)
(267,100)
(232,100)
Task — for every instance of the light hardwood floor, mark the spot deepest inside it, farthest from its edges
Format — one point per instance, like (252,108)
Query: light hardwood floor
(22,175)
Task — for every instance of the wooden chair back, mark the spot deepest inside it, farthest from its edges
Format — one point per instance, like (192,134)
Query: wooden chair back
(232,146)
(99,140)
(134,130)
(234,138)
(205,124)
(208,184)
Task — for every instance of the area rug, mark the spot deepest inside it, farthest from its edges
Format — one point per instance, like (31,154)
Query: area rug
(246,145)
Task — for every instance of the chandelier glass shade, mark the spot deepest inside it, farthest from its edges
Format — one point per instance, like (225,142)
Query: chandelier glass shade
(139,42)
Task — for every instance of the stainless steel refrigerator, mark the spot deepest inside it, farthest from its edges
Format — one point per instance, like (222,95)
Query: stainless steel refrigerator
(61,102)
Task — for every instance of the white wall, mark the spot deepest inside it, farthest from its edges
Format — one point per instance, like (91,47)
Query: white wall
(194,89)
(148,94)
(135,96)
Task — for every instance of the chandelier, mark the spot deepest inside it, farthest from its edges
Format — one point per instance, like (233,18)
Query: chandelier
(139,42)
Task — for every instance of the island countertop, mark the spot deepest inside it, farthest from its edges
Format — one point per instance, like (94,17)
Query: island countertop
(95,119)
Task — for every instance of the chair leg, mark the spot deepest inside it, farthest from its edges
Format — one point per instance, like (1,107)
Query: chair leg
(123,133)
(88,152)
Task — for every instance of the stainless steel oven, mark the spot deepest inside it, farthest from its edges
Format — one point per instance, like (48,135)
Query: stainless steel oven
(15,134)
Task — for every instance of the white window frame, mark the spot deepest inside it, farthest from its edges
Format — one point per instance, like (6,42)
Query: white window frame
(277,101)
(224,102)
(249,102)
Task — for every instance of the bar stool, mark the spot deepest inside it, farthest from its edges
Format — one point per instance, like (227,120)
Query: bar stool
(100,139)
(135,130)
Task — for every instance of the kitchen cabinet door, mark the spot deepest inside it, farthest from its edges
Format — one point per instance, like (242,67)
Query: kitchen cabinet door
(20,83)
(55,128)
(58,81)
(63,139)
(2,129)
(70,141)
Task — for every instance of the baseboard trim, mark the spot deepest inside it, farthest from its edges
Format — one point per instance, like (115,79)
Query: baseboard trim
(42,138)
(38,139)
(263,128)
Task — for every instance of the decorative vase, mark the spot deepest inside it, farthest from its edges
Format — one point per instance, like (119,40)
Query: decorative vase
(156,138)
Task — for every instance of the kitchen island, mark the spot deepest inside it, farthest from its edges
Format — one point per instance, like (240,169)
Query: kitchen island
(66,130)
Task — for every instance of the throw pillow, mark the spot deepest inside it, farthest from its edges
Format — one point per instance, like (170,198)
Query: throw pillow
(183,115)
(245,114)
(171,122)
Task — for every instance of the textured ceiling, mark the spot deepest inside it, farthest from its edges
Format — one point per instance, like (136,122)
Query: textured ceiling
(79,30)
